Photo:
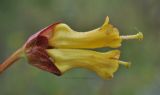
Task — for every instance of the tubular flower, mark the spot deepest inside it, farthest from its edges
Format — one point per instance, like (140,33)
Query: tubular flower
(58,48)
(104,64)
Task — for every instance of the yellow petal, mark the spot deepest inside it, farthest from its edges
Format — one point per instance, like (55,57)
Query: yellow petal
(105,36)
(104,64)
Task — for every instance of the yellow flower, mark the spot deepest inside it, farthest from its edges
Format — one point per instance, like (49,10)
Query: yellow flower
(58,48)
(105,36)
(104,64)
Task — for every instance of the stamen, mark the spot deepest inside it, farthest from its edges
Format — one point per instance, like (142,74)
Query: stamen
(126,64)
(138,36)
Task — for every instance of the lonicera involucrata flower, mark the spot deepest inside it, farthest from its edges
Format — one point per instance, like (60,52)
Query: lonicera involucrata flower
(58,48)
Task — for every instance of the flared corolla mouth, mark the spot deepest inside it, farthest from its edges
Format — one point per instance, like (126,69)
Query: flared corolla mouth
(58,48)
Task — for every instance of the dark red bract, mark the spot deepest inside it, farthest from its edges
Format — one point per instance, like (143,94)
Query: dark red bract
(35,49)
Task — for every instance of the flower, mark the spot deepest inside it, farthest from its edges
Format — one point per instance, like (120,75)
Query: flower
(105,36)
(104,64)
(58,48)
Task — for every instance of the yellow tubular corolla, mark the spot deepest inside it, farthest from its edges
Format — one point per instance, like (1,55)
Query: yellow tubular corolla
(104,64)
(105,36)
(69,45)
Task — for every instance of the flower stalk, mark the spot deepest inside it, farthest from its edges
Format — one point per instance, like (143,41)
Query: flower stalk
(9,61)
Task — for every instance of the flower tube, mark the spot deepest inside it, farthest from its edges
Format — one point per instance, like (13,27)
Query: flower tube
(104,64)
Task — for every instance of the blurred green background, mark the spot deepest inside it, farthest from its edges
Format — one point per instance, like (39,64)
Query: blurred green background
(21,18)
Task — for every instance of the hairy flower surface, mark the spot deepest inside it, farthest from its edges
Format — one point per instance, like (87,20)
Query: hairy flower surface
(58,48)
